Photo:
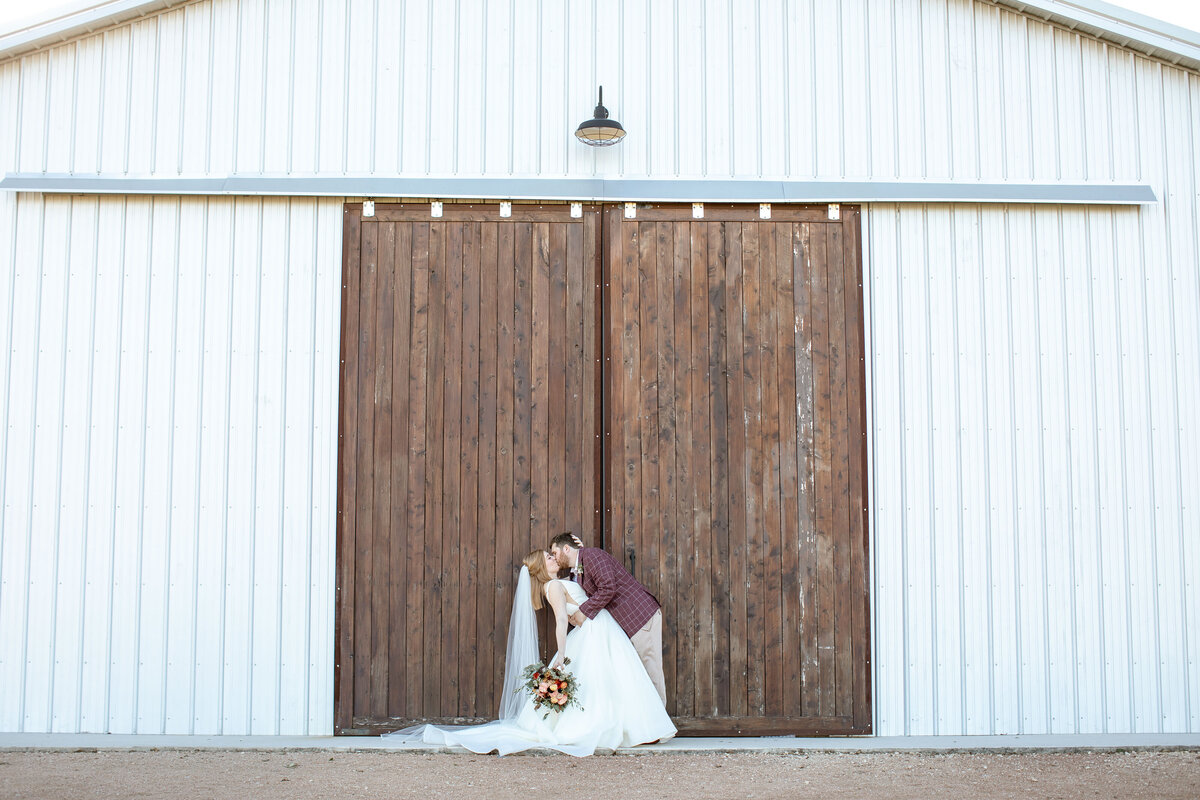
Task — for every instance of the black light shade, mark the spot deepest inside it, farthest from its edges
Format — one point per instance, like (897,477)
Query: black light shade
(600,131)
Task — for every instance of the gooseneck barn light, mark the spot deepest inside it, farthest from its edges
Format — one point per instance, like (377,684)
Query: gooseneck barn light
(600,131)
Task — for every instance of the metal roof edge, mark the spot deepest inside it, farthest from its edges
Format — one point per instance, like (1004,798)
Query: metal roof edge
(594,189)
(1147,35)
(1120,26)
(86,16)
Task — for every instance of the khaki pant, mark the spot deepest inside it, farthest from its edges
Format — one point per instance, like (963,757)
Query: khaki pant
(648,643)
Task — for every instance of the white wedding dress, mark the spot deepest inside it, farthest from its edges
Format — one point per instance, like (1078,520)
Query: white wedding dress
(620,706)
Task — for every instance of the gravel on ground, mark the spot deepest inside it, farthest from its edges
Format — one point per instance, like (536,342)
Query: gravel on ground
(381,774)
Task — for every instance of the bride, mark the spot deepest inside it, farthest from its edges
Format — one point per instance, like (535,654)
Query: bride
(618,704)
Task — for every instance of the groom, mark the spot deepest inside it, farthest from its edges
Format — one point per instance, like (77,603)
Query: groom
(609,585)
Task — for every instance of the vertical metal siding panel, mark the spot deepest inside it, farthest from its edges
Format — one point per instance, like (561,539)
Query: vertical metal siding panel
(270,404)
(662,86)
(328,244)
(945,496)
(629,99)
(305,102)
(880,50)
(1006,620)
(86,114)
(212,522)
(555,130)
(826,111)
(390,46)
(187,377)
(296,465)
(60,87)
(887,489)
(154,535)
(43,532)
(71,525)
(33,104)
(962,113)
(1188,390)
(500,84)
(1019,80)
(222,101)
(19,443)
(141,134)
(717,156)
(989,66)
(917,463)
(1050,229)
(935,89)
(689,94)
(279,79)
(250,85)
(195,91)
(416,61)
(174,42)
(240,469)
(361,80)
(441,72)
(972,467)
(1024,395)
(855,99)
(104,377)
(909,86)
(1165,294)
(127,507)
(1079,373)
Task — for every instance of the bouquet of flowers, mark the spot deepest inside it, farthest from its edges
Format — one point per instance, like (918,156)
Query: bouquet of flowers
(553,687)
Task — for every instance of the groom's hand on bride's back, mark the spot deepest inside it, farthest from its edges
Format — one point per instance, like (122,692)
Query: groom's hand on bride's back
(577,618)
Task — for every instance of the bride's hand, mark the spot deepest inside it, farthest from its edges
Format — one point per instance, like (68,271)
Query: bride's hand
(557,662)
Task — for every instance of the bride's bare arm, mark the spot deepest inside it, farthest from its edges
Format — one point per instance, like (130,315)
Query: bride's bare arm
(558,601)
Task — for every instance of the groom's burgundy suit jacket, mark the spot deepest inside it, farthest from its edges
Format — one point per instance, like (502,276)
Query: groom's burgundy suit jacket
(609,585)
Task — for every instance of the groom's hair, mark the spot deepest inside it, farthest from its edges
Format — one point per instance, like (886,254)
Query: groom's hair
(568,539)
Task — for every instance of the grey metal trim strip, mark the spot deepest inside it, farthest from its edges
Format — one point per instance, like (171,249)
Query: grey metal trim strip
(596,189)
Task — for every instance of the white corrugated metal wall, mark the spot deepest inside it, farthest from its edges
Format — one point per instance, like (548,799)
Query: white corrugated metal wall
(1034,561)
(169,464)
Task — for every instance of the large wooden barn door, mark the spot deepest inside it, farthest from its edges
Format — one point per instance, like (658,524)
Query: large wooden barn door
(735,459)
(468,418)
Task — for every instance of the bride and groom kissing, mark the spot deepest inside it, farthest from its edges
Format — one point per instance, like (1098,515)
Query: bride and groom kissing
(614,655)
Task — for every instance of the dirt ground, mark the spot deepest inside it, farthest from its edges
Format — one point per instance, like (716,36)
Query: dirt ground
(319,774)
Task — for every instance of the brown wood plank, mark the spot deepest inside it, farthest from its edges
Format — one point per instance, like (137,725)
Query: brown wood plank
(700,389)
(684,536)
(629,421)
(787,332)
(433,621)
(594,304)
(766,726)
(615,378)
(772,550)
(575,460)
(645,561)
(803,277)
(418,586)
(466,562)
(823,466)
(347,476)
(838,373)
(559,505)
(752,475)
(523,385)
(506,520)
(399,541)
(724,212)
(488,541)
(739,576)
(539,499)
(449,572)
(721,497)
(364,538)
(666,530)
(856,400)
(380,581)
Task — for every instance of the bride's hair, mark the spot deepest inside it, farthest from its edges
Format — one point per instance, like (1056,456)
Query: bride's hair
(538,576)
